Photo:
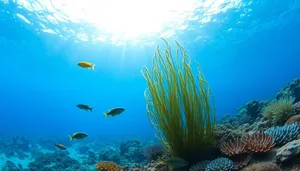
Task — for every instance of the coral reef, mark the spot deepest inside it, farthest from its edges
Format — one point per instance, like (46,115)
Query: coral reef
(110,153)
(108,166)
(296,107)
(15,146)
(292,89)
(264,166)
(83,149)
(284,134)
(154,152)
(10,166)
(154,166)
(224,132)
(157,167)
(241,161)
(249,112)
(200,166)
(220,164)
(258,142)
(90,158)
(58,161)
(132,150)
(288,151)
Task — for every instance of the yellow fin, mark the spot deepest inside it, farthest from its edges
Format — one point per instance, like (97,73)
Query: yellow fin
(70,137)
(105,114)
(93,66)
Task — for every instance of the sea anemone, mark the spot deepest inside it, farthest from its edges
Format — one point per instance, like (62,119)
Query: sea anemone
(258,142)
(279,111)
(233,147)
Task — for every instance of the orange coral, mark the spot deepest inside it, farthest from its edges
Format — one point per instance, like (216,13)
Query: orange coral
(108,166)
(258,142)
(233,147)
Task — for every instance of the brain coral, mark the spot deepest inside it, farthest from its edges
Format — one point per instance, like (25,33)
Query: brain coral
(107,166)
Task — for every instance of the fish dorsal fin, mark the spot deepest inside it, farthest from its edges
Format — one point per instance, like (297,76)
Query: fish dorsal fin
(75,133)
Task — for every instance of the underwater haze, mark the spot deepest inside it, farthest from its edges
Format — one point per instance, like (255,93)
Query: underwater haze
(247,50)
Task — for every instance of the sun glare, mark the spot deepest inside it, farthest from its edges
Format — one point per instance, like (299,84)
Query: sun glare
(119,20)
(127,18)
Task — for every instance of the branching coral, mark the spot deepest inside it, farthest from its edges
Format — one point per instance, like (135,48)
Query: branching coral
(107,166)
(179,106)
(279,111)
(220,164)
(233,147)
(258,142)
(284,134)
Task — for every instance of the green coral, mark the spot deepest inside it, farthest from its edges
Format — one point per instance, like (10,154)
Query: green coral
(179,106)
(279,111)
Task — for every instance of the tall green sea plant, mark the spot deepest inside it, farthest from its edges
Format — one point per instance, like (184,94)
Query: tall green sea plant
(180,106)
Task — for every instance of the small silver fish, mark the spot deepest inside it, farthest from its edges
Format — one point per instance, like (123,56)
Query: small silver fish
(60,146)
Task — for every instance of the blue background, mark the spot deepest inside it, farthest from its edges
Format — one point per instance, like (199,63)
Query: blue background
(40,82)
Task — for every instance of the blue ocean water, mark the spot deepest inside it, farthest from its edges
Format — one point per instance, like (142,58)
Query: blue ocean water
(246,49)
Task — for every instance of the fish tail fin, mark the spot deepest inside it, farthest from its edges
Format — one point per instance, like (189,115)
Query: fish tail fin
(93,67)
(70,137)
(91,109)
(105,114)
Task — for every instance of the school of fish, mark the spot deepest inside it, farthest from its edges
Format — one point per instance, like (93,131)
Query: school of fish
(174,162)
(112,112)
